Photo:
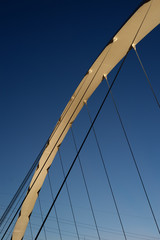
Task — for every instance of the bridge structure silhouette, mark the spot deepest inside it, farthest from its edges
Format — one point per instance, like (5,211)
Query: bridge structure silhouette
(93,179)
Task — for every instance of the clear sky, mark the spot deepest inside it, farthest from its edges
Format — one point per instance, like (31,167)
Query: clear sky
(46,47)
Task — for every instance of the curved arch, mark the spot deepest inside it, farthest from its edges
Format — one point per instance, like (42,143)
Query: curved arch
(107,60)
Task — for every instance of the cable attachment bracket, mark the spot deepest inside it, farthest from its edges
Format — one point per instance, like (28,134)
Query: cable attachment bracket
(85,101)
(134,46)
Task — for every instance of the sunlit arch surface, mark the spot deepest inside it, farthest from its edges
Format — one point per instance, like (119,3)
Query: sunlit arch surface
(107,60)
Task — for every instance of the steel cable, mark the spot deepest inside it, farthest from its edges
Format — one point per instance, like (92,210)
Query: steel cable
(133,157)
(107,176)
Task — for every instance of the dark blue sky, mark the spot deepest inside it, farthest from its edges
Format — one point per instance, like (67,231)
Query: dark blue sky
(46,47)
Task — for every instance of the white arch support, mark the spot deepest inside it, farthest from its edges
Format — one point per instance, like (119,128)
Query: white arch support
(107,60)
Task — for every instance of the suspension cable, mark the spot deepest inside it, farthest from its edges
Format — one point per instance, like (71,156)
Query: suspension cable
(40,207)
(84,140)
(86,187)
(10,233)
(57,219)
(107,175)
(14,214)
(133,157)
(87,132)
(153,92)
(58,141)
(22,185)
(69,197)
(35,164)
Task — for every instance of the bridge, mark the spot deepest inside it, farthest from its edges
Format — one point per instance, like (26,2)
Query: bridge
(83,196)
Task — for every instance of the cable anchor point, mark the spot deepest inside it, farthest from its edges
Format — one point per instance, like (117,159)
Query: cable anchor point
(134,46)
(115,39)
(105,76)
(85,102)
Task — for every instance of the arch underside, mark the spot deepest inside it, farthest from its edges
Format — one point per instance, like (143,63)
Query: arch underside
(107,60)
